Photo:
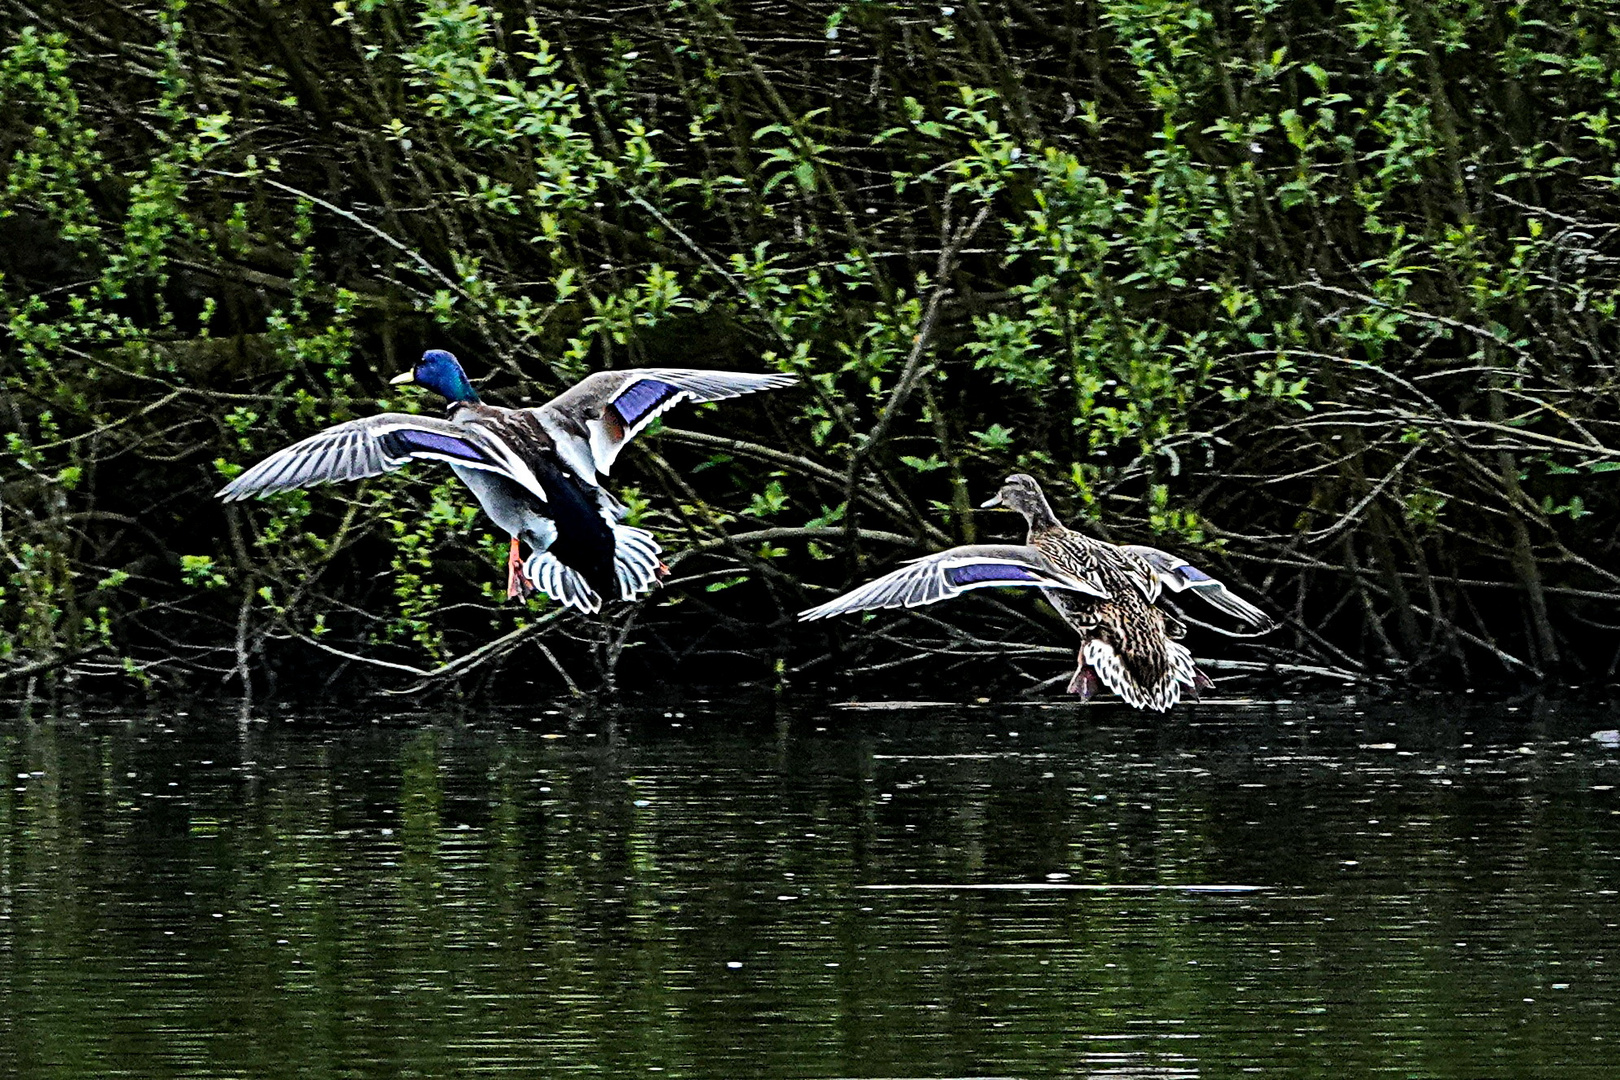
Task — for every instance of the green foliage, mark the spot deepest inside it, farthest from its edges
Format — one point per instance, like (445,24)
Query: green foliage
(198,571)
(1329,291)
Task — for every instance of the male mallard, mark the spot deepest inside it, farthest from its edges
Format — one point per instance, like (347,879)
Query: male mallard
(536,472)
(1106,592)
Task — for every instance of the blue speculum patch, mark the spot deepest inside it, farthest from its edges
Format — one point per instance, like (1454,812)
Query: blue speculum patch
(434,442)
(1192,573)
(972,573)
(642,397)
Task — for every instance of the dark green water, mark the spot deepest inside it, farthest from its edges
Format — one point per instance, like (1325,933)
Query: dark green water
(790,891)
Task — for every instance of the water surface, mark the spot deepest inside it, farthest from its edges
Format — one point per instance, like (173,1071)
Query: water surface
(792,890)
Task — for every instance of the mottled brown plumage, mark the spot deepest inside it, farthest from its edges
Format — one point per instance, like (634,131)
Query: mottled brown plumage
(1128,644)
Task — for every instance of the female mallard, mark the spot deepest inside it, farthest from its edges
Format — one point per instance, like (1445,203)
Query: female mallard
(536,472)
(1106,592)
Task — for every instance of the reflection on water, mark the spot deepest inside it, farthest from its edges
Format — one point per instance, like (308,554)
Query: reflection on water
(787,891)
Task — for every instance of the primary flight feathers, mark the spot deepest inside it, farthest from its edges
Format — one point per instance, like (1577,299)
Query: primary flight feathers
(1178,575)
(375,445)
(602,412)
(951,573)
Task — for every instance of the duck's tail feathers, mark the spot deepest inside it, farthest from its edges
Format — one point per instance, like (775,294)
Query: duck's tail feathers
(1145,682)
(562,583)
(636,569)
(1182,668)
(635,561)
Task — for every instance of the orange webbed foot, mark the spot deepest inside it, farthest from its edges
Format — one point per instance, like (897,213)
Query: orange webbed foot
(517,582)
(1085,682)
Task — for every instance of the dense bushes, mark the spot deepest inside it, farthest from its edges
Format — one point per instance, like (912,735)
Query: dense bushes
(1322,291)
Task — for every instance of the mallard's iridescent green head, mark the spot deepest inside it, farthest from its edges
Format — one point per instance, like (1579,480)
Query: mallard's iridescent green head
(440,372)
(1020,492)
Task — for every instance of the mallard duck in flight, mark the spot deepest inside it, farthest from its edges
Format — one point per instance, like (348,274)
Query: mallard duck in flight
(1106,592)
(536,472)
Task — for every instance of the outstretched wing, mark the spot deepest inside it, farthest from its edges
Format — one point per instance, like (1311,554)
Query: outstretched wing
(592,420)
(1178,575)
(360,448)
(953,572)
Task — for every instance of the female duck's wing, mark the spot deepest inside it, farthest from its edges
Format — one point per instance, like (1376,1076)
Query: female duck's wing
(1178,575)
(368,447)
(592,420)
(953,572)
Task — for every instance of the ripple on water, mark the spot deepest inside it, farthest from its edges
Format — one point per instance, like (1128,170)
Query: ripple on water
(926,891)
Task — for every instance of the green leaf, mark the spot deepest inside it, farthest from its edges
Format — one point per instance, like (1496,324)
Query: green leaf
(995,437)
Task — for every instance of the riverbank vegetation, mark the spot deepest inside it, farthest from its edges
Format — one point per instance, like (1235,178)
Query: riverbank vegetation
(1320,296)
